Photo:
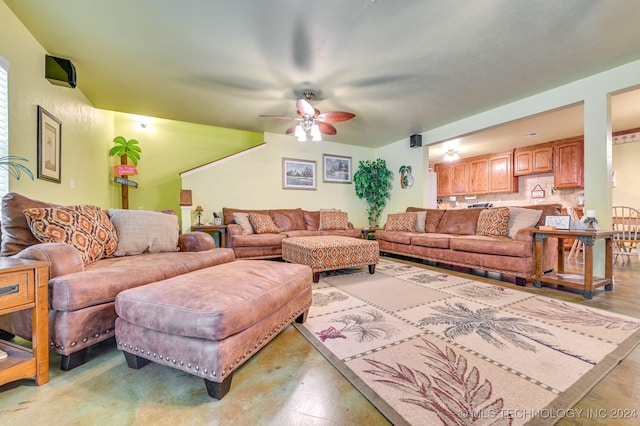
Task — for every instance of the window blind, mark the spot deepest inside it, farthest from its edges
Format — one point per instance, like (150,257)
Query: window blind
(4,123)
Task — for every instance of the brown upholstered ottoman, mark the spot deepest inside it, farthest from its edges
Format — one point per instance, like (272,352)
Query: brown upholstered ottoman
(209,322)
(328,253)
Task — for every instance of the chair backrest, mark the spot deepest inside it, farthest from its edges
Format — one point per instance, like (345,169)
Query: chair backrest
(573,213)
(626,223)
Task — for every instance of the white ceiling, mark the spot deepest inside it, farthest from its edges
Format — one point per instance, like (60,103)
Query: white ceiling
(402,67)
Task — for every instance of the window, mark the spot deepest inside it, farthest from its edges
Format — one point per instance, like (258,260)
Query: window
(4,123)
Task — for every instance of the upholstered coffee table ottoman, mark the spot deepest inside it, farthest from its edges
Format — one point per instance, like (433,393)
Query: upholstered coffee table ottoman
(328,253)
(209,322)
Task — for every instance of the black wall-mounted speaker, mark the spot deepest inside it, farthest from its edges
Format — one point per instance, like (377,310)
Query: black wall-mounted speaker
(59,71)
(415,141)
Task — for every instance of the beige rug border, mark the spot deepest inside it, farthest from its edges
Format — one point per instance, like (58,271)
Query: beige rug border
(568,399)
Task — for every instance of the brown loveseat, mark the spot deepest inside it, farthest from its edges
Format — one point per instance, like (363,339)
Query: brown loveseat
(290,223)
(451,237)
(81,296)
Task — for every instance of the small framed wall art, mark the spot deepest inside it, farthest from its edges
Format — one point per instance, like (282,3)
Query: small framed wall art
(49,146)
(298,174)
(560,222)
(337,169)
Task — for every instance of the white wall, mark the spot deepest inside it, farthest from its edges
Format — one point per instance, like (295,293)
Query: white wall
(626,158)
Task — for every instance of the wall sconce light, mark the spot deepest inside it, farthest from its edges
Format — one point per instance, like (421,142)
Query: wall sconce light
(185,197)
(199,211)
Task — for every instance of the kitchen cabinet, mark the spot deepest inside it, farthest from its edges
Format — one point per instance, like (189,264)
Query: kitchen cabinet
(569,163)
(533,159)
(479,176)
(501,178)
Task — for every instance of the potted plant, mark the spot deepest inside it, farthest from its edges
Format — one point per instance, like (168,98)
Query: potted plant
(15,169)
(373,183)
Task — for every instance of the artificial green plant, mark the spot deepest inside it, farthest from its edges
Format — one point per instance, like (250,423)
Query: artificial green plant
(373,184)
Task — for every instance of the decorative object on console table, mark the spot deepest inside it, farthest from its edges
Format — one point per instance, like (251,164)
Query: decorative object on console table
(590,219)
(560,222)
(49,146)
(217,220)
(24,285)
(199,211)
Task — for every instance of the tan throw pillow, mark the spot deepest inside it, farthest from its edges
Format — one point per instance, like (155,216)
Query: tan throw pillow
(86,228)
(242,219)
(520,217)
(401,222)
(263,224)
(421,219)
(144,231)
(331,220)
(493,222)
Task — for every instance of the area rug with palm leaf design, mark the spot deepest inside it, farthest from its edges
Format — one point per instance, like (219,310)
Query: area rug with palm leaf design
(427,347)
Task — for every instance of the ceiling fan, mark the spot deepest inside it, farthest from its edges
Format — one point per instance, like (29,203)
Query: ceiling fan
(310,122)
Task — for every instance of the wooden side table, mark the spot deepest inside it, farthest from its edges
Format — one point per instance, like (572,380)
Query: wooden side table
(220,230)
(586,282)
(24,284)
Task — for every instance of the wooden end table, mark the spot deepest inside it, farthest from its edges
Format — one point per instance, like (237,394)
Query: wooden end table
(587,282)
(220,230)
(24,284)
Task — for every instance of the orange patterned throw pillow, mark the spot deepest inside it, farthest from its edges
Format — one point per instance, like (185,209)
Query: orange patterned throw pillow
(401,222)
(263,224)
(331,220)
(493,222)
(86,228)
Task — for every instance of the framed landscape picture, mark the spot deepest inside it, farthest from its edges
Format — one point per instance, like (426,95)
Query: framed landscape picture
(298,174)
(560,222)
(49,146)
(337,169)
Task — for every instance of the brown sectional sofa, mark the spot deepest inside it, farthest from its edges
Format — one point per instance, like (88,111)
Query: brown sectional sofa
(81,296)
(290,223)
(451,239)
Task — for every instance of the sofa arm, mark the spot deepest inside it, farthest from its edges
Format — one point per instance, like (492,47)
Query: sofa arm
(64,258)
(196,241)
(233,229)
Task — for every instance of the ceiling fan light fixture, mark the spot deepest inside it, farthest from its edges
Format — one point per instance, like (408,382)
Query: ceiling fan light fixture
(315,132)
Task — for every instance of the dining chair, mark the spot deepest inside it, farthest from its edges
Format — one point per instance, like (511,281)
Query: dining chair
(577,246)
(626,223)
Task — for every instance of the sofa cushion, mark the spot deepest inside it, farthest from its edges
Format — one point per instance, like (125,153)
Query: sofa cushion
(431,239)
(522,218)
(258,240)
(86,228)
(459,221)
(497,246)
(288,219)
(421,218)
(434,216)
(493,222)
(400,237)
(401,222)
(242,219)
(311,220)
(144,231)
(333,220)
(263,224)
(16,234)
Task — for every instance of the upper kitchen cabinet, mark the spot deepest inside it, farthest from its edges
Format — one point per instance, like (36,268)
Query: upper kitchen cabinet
(569,163)
(501,178)
(443,173)
(533,159)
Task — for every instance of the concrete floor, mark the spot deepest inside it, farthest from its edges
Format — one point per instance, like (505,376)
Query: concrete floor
(286,383)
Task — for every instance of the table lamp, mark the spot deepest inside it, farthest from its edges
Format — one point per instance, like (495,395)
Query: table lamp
(199,211)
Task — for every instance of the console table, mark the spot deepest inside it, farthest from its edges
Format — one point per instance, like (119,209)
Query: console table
(587,282)
(24,284)
(220,230)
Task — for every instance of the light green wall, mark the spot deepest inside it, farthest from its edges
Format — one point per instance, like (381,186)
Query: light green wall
(85,130)
(254,180)
(625,163)
(168,148)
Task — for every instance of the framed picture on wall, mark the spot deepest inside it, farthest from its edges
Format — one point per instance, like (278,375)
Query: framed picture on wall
(298,174)
(337,169)
(49,146)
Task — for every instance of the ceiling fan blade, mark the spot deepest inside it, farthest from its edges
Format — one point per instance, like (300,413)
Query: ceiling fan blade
(291,129)
(326,128)
(335,116)
(305,107)
(280,117)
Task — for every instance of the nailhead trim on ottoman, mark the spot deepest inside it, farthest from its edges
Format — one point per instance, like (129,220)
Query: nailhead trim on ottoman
(328,253)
